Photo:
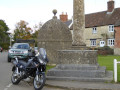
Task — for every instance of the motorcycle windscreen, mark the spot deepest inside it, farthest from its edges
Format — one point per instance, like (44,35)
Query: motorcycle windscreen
(42,53)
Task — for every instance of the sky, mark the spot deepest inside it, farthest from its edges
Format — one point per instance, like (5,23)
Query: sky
(35,11)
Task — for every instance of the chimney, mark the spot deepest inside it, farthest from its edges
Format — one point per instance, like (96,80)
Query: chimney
(110,5)
(64,17)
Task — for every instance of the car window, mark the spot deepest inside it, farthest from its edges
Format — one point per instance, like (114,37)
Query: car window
(20,46)
(36,48)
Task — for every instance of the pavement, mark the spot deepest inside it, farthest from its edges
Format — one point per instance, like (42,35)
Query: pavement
(75,85)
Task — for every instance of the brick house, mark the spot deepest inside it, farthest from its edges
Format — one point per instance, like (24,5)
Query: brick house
(102,28)
(117,39)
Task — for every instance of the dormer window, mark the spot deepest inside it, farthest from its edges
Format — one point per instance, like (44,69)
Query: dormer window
(94,30)
(111,28)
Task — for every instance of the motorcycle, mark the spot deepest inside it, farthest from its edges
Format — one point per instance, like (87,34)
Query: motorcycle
(35,67)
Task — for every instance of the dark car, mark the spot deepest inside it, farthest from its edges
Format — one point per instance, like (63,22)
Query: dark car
(20,50)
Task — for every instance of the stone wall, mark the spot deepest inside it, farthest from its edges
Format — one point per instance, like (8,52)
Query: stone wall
(102,35)
(116,51)
(101,31)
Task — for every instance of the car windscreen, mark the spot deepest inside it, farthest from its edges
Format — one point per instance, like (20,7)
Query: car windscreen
(35,48)
(20,46)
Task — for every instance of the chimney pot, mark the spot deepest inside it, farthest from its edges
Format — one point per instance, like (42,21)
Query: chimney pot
(110,5)
(64,17)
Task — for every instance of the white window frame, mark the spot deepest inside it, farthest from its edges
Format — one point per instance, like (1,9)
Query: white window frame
(93,42)
(111,28)
(94,30)
(111,42)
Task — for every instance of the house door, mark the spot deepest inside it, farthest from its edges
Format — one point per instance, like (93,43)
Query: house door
(102,43)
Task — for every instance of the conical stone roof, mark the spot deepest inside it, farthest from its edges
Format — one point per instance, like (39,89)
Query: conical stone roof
(54,30)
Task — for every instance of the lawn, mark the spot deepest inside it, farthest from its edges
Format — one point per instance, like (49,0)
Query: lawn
(108,62)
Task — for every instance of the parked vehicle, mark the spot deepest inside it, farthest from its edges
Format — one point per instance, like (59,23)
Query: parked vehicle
(1,49)
(35,67)
(36,50)
(21,50)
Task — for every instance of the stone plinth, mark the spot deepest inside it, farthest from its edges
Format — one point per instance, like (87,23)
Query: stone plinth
(76,72)
(79,65)
(77,57)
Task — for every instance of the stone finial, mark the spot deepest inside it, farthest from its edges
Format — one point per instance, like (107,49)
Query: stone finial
(54,12)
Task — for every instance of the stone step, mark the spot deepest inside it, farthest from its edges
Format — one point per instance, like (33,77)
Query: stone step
(108,78)
(99,73)
(76,67)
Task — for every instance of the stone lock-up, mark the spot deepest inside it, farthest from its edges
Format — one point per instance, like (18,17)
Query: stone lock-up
(53,36)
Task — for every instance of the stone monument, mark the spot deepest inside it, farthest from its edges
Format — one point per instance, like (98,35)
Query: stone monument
(78,53)
(78,63)
(53,36)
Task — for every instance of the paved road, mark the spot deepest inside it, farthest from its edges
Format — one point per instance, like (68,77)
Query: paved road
(5,77)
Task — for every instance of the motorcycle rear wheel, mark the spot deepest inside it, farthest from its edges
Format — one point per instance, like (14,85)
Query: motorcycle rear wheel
(38,84)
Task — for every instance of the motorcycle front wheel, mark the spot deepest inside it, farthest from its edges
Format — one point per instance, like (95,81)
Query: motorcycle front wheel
(39,81)
(15,78)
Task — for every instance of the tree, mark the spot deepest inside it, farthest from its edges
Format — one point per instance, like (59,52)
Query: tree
(22,31)
(36,30)
(4,35)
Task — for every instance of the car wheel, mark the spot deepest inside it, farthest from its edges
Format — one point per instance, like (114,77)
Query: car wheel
(9,59)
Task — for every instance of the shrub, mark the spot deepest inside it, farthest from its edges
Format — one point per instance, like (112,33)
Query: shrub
(106,50)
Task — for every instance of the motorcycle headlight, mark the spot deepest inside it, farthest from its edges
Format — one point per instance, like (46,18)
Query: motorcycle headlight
(26,52)
(41,61)
(10,51)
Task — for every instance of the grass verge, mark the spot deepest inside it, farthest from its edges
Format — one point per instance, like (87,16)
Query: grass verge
(108,62)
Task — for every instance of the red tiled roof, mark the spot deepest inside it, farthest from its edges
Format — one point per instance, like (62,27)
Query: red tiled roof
(102,18)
